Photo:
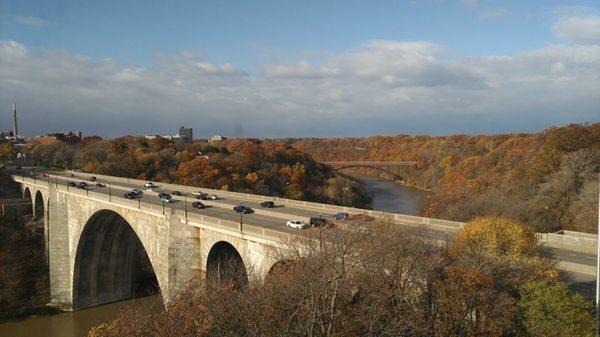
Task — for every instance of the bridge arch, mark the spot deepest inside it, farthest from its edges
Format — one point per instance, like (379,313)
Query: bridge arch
(38,206)
(111,262)
(225,264)
(395,175)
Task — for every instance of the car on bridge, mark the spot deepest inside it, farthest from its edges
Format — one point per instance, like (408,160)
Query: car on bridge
(165,197)
(137,192)
(198,204)
(267,204)
(130,195)
(176,193)
(92,178)
(243,209)
(71,184)
(212,197)
(297,224)
(201,196)
(149,185)
(341,216)
(82,185)
(100,185)
(319,222)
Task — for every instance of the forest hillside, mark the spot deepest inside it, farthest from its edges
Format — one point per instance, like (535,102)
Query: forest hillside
(548,180)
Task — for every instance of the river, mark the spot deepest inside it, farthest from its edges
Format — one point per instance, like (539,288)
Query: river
(393,197)
(76,323)
(387,196)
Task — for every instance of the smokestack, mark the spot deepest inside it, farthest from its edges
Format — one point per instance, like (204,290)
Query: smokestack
(15,130)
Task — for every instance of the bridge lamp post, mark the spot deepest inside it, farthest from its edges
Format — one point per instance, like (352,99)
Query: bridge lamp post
(185,204)
(109,193)
(428,196)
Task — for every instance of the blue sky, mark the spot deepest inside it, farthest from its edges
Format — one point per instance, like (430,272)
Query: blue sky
(258,56)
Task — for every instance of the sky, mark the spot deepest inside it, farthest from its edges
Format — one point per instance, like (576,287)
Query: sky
(305,68)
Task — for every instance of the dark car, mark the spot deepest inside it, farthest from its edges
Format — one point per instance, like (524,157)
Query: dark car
(82,186)
(341,216)
(198,204)
(71,175)
(267,204)
(176,193)
(165,197)
(242,209)
(318,222)
(100,185)
(202,196)
(129,195)
(71,184)
(92,178)
(33,173)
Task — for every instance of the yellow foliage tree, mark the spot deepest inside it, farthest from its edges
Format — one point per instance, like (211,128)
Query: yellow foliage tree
(499,238)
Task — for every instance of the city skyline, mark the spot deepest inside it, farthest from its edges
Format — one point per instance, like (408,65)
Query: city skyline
(290,70)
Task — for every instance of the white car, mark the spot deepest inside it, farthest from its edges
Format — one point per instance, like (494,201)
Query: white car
(198,193)
(213,197)
(149,185)
(297,224)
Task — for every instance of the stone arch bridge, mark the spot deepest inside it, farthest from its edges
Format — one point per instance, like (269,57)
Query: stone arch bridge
(100,248)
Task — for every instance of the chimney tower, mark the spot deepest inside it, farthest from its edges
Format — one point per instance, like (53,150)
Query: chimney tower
(15,130)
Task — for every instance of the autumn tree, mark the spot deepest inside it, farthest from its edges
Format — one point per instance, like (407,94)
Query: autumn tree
(551,310)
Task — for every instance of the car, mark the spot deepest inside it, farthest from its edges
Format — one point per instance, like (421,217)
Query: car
(154,189)
(137,191)
(242,209)
(71,175)
(71,184)
(341,216)
(129,195)
(267,204)
(202,196)
(212,197)
(44,174)
(318,221)
(100,185)
(198,204)
(297,224)
(82,185)
(19,168)
(33,173)
(176,193)
(165,197)
(149,185)
(92,178)
(198,193)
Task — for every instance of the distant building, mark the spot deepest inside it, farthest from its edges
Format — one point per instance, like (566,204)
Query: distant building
(186,134)
(216,138)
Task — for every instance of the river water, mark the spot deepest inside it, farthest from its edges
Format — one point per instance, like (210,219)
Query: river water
(387,196)
(393,197)
(76,323)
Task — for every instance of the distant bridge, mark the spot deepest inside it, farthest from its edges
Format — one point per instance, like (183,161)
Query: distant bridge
(392,168)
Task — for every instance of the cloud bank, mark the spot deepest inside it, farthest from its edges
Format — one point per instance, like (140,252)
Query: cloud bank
(381,86)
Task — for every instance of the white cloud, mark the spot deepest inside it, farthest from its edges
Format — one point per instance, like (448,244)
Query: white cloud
(579,29)
(32,21)
(377,87)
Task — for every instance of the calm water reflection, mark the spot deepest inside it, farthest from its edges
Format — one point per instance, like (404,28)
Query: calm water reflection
(77,323)
(393,197)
